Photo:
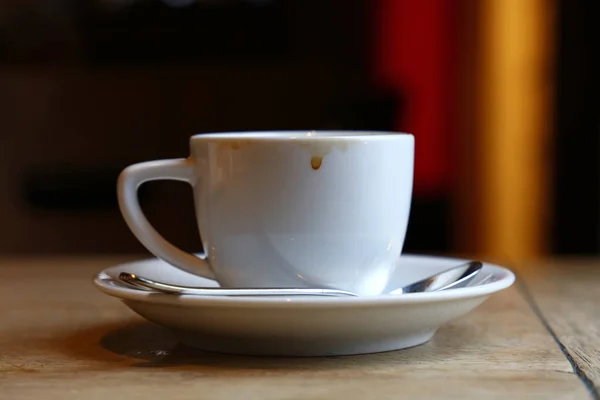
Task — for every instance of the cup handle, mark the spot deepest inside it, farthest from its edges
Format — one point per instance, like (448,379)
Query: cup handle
(129,181)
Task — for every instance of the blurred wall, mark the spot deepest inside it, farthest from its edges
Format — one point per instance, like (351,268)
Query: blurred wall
(86,90)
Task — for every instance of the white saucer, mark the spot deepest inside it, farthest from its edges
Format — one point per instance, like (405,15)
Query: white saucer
(304,326)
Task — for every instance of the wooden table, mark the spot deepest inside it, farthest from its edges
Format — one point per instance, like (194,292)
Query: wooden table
(62,339)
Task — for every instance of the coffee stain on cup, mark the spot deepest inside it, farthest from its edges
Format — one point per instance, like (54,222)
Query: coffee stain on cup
(318,149)
(315,162)
(232,144)
(238,144)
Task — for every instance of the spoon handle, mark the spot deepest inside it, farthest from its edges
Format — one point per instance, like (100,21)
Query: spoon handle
(140,281)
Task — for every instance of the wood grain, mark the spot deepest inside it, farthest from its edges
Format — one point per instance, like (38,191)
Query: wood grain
(567,297)
(62,339)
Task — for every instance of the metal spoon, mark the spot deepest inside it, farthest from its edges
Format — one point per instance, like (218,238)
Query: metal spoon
(459,276)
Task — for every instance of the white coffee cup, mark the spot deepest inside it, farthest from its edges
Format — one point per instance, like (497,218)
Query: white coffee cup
(287,209)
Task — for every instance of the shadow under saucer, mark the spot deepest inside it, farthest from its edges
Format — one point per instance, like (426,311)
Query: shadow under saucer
(149,345)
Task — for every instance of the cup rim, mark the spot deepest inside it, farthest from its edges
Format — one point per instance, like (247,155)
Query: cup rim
(303,135)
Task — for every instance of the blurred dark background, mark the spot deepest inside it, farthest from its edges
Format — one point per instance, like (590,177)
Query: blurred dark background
(89,87)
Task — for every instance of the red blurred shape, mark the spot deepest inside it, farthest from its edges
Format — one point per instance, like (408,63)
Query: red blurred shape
(416,58)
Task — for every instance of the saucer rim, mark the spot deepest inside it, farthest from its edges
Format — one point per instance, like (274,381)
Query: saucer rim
(105,283)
